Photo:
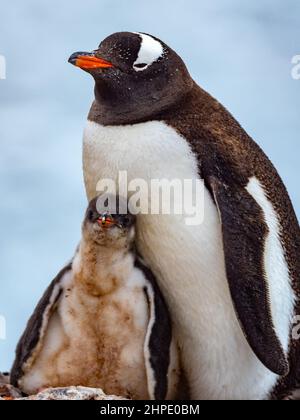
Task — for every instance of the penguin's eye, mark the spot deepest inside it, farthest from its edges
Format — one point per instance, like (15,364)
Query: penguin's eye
(141,66)
(151,50)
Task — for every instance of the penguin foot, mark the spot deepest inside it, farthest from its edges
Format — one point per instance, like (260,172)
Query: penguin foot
(293,395)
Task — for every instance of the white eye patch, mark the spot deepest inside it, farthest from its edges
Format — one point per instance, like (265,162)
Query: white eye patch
(151,50)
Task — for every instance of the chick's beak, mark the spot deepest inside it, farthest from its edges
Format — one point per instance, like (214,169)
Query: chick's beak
(106,222)
(88,61)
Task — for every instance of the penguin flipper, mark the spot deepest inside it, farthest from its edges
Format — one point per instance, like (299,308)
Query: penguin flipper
(37,326)
(244,234)
(158,340)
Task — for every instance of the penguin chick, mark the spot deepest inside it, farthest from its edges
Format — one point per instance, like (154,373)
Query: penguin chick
(103,322)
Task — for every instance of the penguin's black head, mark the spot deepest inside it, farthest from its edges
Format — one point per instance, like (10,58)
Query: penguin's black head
(108,222)
(137,76)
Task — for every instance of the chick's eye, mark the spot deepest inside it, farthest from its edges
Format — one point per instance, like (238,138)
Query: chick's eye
(126,221)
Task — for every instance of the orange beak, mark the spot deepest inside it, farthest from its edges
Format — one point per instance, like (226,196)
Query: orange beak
(88,61)
(106,221)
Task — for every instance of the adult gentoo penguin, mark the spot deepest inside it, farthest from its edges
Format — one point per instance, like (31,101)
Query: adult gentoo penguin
(103,322)
(232,282)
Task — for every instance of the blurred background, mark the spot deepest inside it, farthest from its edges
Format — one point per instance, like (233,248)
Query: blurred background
(240,52)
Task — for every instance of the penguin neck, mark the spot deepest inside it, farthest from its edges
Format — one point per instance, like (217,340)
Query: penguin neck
(111,108)
(100,270)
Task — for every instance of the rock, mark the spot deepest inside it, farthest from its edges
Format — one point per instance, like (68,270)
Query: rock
(78,393)
(7,391)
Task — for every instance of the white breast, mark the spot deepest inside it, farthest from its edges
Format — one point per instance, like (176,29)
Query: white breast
(189,261)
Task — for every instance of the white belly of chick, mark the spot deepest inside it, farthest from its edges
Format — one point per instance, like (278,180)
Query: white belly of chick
(95,341)
(188,260)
